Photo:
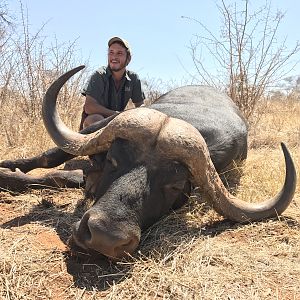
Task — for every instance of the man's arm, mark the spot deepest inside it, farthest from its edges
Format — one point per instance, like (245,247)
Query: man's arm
(138,95)
(91,106)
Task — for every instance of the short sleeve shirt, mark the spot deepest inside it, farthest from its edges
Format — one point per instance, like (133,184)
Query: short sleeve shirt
(101,87)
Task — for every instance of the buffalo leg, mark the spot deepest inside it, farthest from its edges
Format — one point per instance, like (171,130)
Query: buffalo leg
(18,181)
(48,159)
(13,175)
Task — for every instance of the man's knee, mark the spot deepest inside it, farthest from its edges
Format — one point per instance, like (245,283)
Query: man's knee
(90,119)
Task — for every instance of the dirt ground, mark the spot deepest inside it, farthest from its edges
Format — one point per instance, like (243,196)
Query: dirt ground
(191,254)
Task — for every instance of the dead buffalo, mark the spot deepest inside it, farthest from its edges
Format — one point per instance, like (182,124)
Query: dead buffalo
(146,159)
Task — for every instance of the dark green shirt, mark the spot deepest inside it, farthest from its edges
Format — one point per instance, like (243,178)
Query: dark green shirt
(102,88)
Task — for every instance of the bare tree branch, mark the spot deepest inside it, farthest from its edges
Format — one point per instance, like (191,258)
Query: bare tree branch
(246,52)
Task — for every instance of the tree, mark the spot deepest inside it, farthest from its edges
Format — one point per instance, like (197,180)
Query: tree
(247,53)
(5,24)
(29,63)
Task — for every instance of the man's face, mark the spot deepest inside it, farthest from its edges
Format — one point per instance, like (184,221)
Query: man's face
(117,57)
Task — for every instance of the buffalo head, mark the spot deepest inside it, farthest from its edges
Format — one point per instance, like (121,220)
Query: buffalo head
(149,161)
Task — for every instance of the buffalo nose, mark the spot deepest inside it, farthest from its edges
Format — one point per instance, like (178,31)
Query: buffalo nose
(113,239)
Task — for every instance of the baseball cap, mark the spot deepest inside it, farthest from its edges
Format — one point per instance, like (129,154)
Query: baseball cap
(117,39)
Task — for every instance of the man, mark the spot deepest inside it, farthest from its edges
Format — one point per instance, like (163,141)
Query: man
(110,88)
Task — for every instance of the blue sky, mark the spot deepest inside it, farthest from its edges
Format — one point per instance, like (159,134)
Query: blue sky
(158,36)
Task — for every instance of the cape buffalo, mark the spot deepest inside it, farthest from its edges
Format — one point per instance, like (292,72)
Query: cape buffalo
(145,160)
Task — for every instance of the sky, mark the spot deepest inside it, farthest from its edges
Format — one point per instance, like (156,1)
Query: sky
(157,33)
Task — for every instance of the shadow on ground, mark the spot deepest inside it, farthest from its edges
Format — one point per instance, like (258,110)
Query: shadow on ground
(92,271)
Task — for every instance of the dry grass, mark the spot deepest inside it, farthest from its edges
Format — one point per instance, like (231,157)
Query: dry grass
(191,254)
(278,122)
(23,136)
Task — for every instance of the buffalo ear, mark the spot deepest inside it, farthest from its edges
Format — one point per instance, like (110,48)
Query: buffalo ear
(178,191)
(92,180)
(93,175)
